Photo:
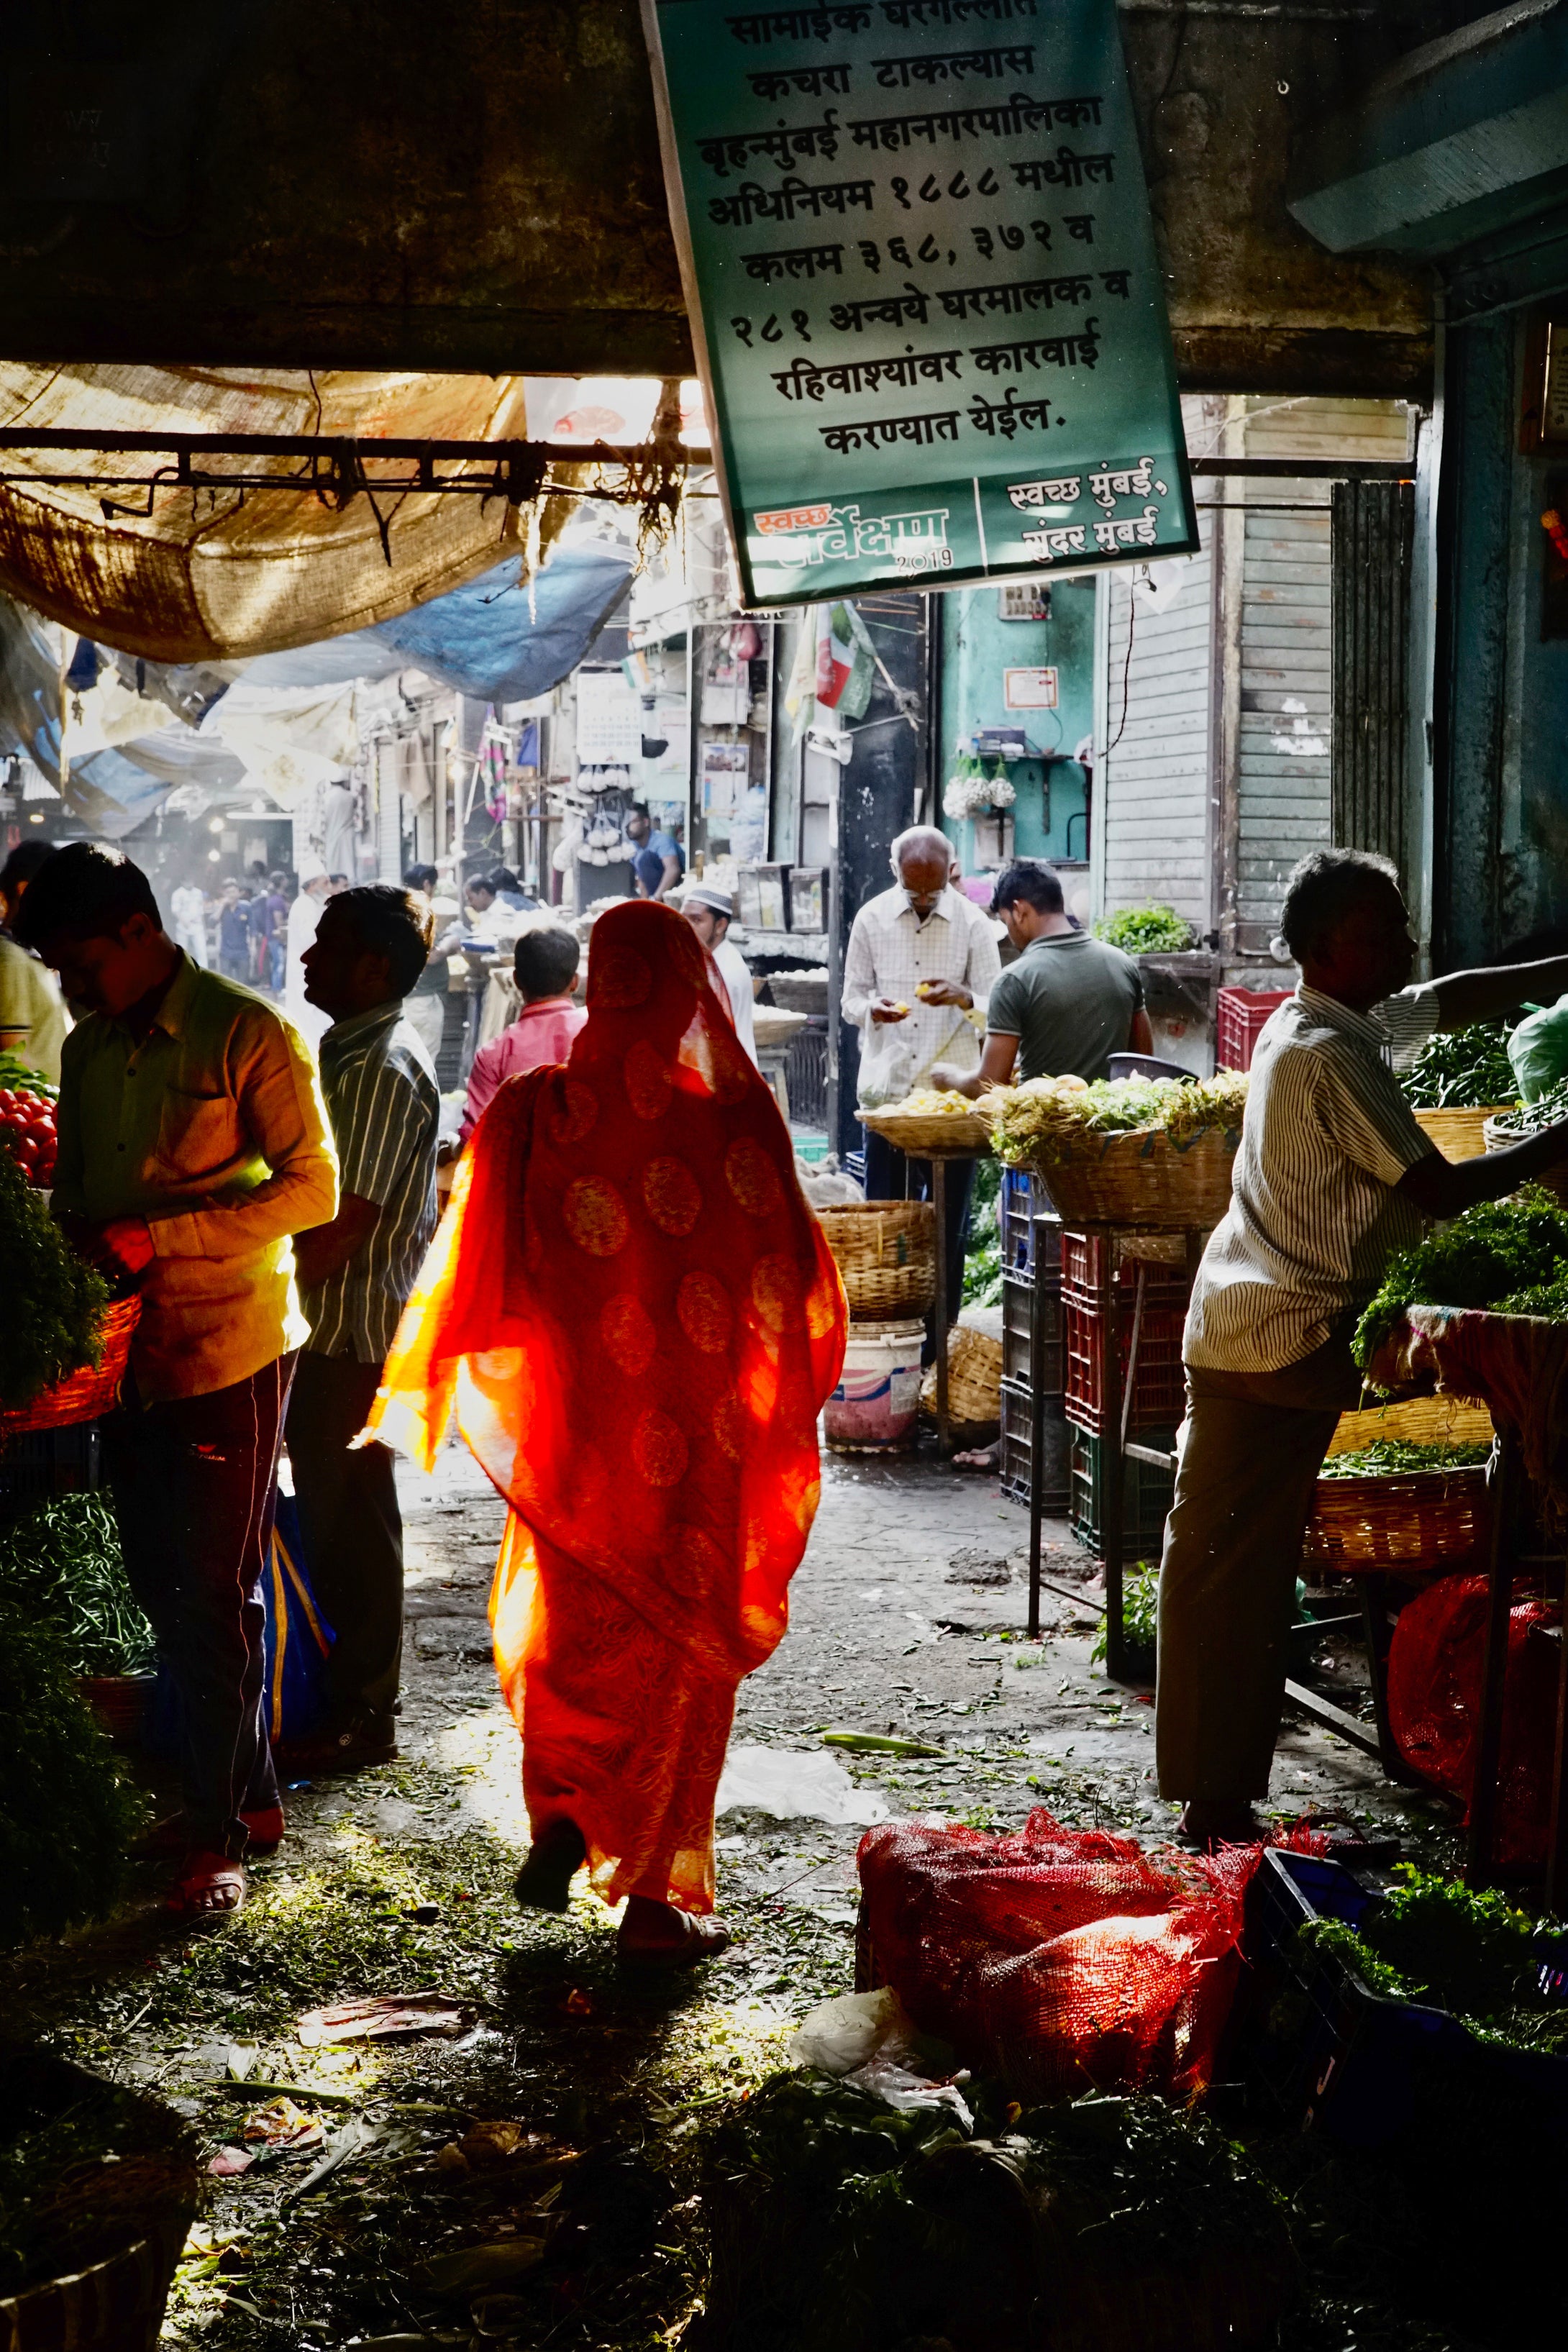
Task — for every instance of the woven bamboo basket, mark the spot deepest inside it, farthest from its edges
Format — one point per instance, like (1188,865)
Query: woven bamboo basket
(886,1252)
(1422,1516)
(1458,1134)
(84,1395)
(1554,1179)
(973,1380)
(1144,1179)
(942,1131)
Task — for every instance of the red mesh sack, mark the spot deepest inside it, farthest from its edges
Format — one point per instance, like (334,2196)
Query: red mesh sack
(1434,1706)
(1061,1961)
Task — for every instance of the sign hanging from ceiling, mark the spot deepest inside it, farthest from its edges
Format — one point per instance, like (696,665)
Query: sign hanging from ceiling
(921,277)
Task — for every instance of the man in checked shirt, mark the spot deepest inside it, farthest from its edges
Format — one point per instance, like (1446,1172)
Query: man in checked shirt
(355,1277)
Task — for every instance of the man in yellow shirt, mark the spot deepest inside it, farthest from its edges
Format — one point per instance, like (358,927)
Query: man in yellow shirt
(192,1147)
(32,1017)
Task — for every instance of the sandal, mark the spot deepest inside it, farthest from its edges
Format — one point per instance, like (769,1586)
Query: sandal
(210,1886)
(697,1939)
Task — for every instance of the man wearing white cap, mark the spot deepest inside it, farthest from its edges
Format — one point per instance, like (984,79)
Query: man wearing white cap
(708,911)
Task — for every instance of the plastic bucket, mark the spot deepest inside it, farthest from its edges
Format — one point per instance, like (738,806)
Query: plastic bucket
(873,1409)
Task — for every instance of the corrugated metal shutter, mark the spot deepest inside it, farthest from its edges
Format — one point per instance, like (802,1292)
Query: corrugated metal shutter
(1373,528)
(1154,797)
(1283,768)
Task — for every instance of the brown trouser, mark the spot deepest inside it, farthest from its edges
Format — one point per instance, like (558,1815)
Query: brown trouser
(1250,1450)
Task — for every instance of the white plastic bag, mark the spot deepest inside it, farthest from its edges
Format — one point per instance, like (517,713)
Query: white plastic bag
(867,2039)
(796,1785)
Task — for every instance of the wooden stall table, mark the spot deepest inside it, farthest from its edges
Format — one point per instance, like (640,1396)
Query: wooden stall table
(938,1138)
(1517,1366)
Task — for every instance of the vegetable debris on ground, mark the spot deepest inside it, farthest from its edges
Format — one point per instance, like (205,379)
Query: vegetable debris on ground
(54,1299)
(1397,1457)
(1146,930)
(1488,1255)
(65,1560)
(1048,1119)
(1462,1069)
(86,2168)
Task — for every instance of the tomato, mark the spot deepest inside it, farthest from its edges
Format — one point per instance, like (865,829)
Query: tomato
(39,1132)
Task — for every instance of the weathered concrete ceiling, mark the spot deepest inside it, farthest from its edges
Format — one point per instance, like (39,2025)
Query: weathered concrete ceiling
(383,184)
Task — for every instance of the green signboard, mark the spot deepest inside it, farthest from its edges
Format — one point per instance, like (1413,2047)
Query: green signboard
(922,282)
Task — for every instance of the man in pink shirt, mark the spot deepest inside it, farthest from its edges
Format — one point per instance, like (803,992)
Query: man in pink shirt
(544,965)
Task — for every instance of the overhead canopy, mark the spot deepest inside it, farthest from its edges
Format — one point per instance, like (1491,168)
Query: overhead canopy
(204,577)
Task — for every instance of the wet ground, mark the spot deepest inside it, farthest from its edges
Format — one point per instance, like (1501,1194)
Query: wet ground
(908,1621)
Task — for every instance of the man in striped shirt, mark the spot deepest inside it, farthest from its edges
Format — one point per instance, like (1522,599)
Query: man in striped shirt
(355,1276)
(1333,1175)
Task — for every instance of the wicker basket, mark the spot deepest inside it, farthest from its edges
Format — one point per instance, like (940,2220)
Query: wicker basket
(1458,1134)
(886,1252)
(84,1395)
(949,1133)
(1414,1517)
(1556,1180)
(973,1380)
(1144,1179)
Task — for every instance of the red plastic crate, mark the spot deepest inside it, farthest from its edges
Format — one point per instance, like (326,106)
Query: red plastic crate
(1083,1270)
(1242,1013)
(1159,1392)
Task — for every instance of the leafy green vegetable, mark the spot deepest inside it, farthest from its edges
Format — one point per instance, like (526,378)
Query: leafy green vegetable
(983,1266)
(1547,1110)
(1434,1941)
(1139,1611)
(65,1561)
(67,1819)
(54,1299)
(18,1074)
(1490,1254)
(1393,1457)
(1463,1069)
(82,2176)
(1146,930)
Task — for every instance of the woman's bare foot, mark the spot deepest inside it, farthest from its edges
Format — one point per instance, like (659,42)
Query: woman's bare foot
(208,1885)
(557,1853)
(656,1935)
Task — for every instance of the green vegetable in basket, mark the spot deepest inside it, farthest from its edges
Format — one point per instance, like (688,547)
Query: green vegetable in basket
(1433,1940)
(1394,1457)
(1490,1254)
(1045,1119)
(1462,1069)
(65,1561)
(1530,1119)
(1146,930)
(54,1300)
(67,1818)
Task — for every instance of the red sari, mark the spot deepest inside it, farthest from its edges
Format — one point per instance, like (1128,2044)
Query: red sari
(638,1320)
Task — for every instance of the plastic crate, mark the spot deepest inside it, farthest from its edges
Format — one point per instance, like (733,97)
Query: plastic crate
(1158,1386)
(1028,1225)
(1017,1439)
(1017,1333)
(38,1464)
(1146,1498)
(1365,2067)
(1083,1266)
(1242,1012)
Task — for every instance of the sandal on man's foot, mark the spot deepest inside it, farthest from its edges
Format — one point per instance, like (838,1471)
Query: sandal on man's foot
(556,1855)
(265,1827)
(682,1947)
(210,1886)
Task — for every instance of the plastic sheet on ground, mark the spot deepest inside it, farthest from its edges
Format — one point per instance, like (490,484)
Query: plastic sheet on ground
(1061,1961)
(866,2039)
(794,1785)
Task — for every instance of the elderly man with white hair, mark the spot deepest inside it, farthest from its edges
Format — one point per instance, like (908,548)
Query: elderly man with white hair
(921,965)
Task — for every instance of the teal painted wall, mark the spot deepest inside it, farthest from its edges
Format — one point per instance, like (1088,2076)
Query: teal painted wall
(977,646)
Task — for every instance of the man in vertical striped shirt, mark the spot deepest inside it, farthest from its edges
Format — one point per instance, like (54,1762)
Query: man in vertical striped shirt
(356,1275)
(1333,1175)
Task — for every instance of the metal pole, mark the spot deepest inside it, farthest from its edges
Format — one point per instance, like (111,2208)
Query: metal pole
(1557,1846)
(1494,1666)
(938,1202)
(1037,1421)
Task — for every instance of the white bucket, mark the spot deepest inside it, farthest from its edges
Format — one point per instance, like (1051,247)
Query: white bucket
(873,1409)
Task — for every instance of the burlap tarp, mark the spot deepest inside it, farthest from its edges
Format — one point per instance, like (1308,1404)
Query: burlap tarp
(220,576)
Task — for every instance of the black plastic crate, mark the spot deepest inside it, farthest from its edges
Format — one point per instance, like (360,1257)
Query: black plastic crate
(1030,1227)
(1145,1499)
(1017,1438)
(1368,2067)
(36,1464)
(1017,1332)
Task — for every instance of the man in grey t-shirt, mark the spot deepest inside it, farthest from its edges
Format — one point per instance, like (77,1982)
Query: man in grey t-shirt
(1065,1006)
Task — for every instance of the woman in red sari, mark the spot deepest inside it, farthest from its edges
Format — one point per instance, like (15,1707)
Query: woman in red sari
(638,1319)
